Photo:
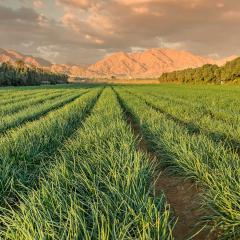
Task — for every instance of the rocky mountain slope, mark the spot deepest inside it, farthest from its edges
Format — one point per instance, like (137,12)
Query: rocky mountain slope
(13,56)
(72,70)
(150,63)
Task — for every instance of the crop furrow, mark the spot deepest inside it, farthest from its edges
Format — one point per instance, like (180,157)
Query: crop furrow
(98,189)
(203,110)
(196,157)
(178,191)
(9,99)
(194,128)
(35,112)
(24,150)
(12,108)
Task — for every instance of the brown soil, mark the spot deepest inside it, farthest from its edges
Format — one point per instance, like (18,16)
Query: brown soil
(182,194)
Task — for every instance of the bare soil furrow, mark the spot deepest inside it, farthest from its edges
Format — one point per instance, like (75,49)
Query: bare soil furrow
(183,195)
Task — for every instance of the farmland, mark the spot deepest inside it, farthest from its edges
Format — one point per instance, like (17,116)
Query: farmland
(120,162)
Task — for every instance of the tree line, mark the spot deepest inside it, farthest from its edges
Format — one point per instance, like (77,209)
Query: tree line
(19,74)
(208,73)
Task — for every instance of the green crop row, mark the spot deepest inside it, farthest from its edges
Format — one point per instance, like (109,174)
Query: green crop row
(23,150)
(38,110)
(98,188)
(195,156)
(196,119)
(212,98)
(18,105)
(193,107)
(13,97)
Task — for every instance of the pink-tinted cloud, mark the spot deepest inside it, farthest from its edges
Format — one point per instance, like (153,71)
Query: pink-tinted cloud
(231,15)
(104,26)
(38,4)
(84,4)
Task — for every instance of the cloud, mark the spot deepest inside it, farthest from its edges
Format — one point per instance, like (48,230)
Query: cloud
(22,14)
(83,4)
(48,52)
(85,27)
(77,3)
(133,2)
(94,39)
(231,15)
(27,44)
(38,4)
(174,45)
(141,10)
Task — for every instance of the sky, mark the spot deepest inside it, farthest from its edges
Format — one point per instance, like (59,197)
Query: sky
(84,31)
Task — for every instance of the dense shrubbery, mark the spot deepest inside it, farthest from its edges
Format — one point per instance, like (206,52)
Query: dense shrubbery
(208,73)
(22,75)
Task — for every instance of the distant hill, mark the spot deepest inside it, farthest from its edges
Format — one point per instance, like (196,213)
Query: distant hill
(13,56)
(150,63)
(72,70)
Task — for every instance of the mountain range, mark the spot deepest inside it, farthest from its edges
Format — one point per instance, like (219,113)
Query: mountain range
(149,63)
(13,56)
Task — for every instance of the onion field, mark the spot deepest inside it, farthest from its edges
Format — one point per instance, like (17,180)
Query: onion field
(120,162)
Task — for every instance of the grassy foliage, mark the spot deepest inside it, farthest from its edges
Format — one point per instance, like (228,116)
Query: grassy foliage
(70,168)
(99,188)
(217,125)
(19,104)
(195,156)
(23,150)
(39,109)
(8,98)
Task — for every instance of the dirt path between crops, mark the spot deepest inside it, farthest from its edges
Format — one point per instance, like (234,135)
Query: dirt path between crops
(182,195)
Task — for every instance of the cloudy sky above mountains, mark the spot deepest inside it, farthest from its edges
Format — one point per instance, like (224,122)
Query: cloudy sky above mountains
(83,31)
